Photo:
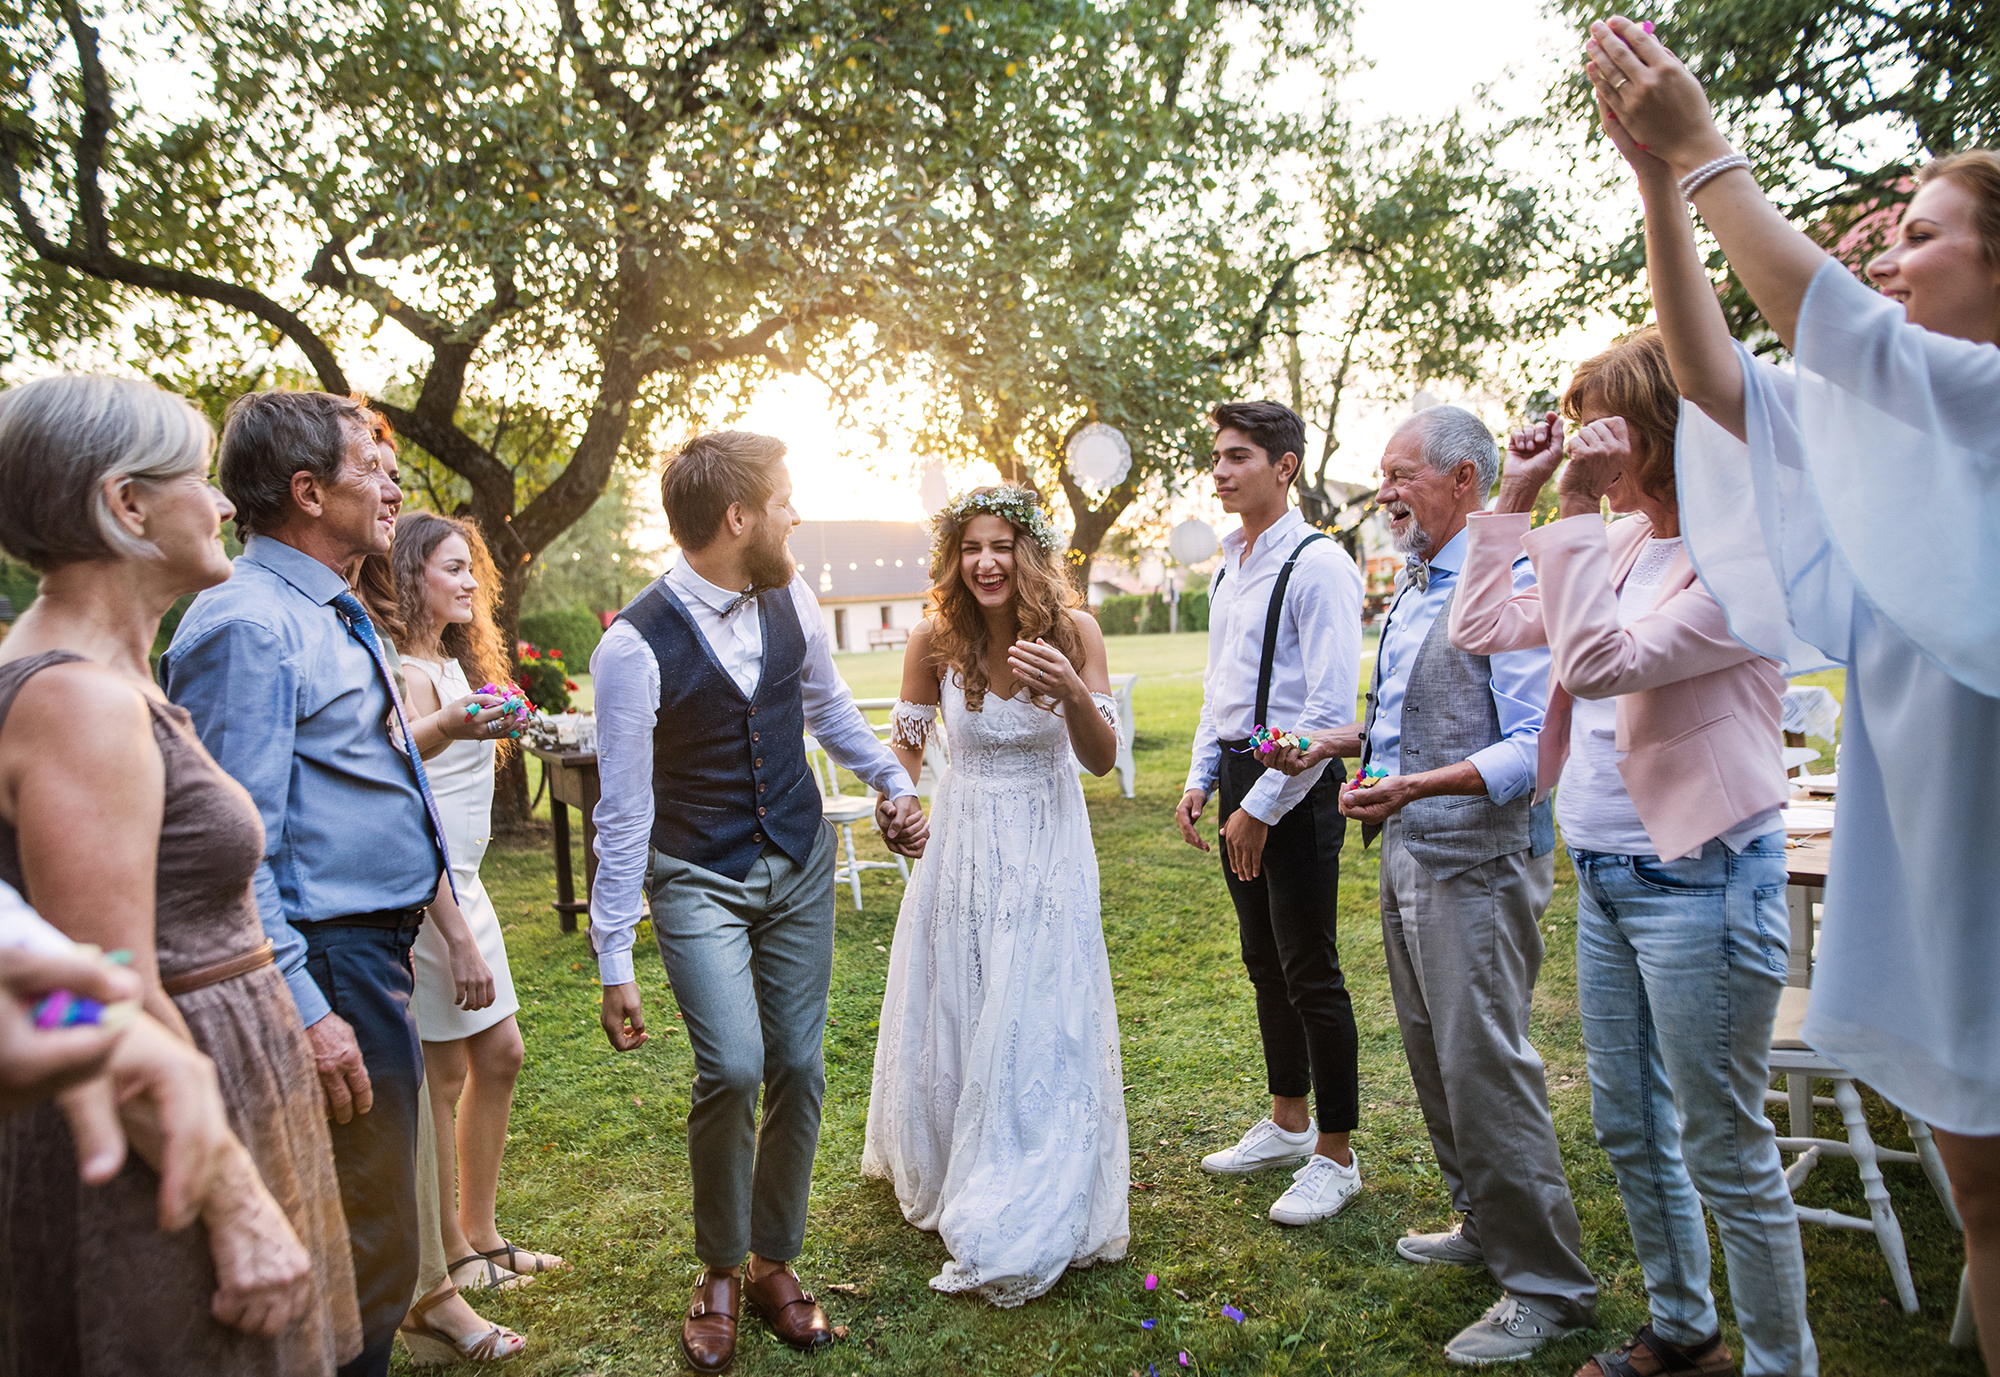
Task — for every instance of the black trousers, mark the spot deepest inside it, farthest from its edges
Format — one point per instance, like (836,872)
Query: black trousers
(1287,919)
(365,974)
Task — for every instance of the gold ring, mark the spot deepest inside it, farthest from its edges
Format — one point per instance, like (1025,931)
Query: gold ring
(1620,82)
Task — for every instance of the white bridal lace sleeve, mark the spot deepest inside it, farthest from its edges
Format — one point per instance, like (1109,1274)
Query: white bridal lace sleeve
(910,724)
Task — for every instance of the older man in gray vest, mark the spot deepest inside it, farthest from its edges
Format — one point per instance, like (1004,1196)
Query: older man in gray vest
(1467,867)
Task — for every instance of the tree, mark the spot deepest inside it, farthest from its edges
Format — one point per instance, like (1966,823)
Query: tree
(581,214)
(1420,274)
(1838,103)
(1099,270)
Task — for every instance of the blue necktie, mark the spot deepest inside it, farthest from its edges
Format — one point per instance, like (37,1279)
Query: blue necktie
(356,617)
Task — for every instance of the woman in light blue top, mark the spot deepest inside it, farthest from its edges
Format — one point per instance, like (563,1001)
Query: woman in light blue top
(1894,404)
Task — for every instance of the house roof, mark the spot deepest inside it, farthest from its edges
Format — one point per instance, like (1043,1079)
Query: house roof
(845,560)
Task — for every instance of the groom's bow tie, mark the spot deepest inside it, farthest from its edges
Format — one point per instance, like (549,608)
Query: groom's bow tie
(738,603)
(1419,572)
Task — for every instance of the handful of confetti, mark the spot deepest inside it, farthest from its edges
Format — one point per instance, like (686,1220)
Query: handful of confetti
(1369,778)
(61,1009)
(1263,740)
(515,709)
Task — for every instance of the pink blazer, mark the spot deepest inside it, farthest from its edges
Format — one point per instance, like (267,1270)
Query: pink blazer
(1698,712)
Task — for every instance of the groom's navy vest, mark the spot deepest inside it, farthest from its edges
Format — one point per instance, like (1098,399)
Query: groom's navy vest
(729,772)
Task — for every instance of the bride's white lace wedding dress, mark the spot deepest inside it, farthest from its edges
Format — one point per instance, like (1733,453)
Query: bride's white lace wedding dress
(998,1108)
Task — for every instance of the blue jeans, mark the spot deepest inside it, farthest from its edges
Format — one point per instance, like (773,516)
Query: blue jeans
(1678,969)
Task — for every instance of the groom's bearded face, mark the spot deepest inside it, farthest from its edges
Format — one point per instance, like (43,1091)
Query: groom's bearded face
(769,558)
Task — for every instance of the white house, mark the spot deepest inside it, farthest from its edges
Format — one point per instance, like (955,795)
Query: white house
(871,577)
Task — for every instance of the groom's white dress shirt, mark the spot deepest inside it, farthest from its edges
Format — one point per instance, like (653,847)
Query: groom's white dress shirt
(1315,672)
(625,682)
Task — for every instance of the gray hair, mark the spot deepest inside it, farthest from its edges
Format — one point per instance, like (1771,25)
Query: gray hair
(269,436)
(63,438)
(1453,436)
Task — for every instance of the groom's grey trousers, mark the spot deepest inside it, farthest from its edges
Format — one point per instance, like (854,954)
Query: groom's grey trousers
(751,961)
(1463,954)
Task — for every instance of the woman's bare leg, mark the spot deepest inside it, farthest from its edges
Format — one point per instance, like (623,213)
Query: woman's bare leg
(444,1081)
(1973,1164)
(494,1064)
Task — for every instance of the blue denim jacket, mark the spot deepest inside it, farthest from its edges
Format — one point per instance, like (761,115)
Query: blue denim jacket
(291,705)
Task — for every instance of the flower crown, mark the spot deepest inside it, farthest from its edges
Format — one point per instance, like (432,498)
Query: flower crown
(1016,506)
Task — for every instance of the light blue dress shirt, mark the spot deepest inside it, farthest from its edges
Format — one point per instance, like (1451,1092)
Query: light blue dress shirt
(1520,681)
(292,706)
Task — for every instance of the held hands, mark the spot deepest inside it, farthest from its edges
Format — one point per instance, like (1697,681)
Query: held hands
(1533,453)
(1042,669)
(622,1017)
(903,825)
(1326,744)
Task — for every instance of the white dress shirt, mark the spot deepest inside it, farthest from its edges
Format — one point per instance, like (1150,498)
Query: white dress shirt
(1520,681)
(625,680)
(1315,671)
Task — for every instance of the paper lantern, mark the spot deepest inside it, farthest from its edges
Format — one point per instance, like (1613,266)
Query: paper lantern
(1192,541)
(1099,455)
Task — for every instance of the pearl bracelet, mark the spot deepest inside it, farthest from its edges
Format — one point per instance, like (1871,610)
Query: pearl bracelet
(1709,171)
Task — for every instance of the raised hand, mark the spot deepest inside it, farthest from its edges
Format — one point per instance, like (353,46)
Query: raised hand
(1598,454)
(1652,94)
(1534,451)
(1044,670)
(1326,744)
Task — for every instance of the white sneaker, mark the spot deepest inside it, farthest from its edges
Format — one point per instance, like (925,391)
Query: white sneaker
(1265,1145)
(1320,1190)
(1447,1249)
(1509,1332)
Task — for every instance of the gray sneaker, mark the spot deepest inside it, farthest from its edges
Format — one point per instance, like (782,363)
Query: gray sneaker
(1441,1250)
(1507,1333)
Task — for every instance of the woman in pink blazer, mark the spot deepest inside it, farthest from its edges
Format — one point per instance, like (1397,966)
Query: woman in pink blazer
(1662,743)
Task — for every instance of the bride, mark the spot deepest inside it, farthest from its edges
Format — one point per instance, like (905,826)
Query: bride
(998,1107)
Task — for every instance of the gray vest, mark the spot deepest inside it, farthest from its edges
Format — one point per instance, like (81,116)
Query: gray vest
(1448,714)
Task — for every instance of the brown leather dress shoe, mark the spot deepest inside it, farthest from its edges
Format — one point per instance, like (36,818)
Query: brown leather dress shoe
(708,1334)
(793,1315)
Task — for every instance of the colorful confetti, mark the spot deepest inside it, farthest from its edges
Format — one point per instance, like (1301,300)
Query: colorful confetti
(1147,1324)
(1152,1282)
(1230,1312)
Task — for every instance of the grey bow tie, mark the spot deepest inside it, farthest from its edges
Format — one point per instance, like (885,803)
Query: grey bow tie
(740,600)
(1419,572)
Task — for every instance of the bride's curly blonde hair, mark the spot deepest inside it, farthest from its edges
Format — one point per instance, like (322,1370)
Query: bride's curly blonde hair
(1043,594)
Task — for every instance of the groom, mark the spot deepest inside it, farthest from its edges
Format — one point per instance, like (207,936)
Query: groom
(706,685)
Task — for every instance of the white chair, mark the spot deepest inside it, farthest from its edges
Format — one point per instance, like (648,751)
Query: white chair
(844,811)
(1801,1065)
(1121,690)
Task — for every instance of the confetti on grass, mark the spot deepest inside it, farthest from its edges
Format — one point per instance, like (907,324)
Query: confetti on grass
(1152,1282)
(1230,1312)
(1147,1324)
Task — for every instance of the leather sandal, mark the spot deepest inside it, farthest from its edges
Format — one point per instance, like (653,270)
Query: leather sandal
(708,1334)
(1648,1354)
(512,1256)
(792,1313)
(492,1276)
(431,1347)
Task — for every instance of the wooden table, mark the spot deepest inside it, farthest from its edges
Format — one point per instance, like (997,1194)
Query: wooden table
(572,782)
(1805,873)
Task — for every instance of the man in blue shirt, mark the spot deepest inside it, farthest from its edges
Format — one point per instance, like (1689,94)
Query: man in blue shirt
(288,687)
(1467,868)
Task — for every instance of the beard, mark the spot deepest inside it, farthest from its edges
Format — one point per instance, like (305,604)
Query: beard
(1414,540)
(768,561)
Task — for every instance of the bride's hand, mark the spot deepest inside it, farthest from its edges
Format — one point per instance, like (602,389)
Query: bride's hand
(1042,669)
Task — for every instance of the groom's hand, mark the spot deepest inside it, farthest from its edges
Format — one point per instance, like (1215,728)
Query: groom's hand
(903,825)
(622,1010)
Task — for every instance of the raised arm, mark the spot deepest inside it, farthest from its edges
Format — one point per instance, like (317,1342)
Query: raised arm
(1662,108)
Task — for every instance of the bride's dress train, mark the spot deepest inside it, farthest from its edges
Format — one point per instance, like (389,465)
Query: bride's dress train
(998,1107)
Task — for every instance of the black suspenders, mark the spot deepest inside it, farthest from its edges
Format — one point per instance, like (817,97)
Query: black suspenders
(1271,623)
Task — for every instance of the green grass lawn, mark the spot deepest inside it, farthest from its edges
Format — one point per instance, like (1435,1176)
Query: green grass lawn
(597,1163)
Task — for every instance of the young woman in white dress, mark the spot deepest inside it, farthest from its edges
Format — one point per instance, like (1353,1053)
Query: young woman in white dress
(445,586)
(998,1108)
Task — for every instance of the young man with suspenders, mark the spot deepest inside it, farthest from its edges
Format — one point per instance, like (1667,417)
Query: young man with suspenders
(1284,652)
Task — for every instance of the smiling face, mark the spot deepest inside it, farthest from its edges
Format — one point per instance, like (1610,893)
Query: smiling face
(359,508)
(768,560)
(1421,503)
(183,520)
(986,559)
(1938,268)
(449,582)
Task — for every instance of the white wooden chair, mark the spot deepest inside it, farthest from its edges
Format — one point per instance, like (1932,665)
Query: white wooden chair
(844,811)
(1121,689)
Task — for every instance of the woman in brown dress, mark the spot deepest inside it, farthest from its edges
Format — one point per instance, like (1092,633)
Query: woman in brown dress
(118,826)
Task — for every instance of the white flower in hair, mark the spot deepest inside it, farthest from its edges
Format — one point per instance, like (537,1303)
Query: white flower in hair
(1017,506)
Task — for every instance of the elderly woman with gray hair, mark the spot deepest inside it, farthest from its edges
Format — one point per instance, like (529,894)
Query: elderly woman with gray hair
(124,833)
